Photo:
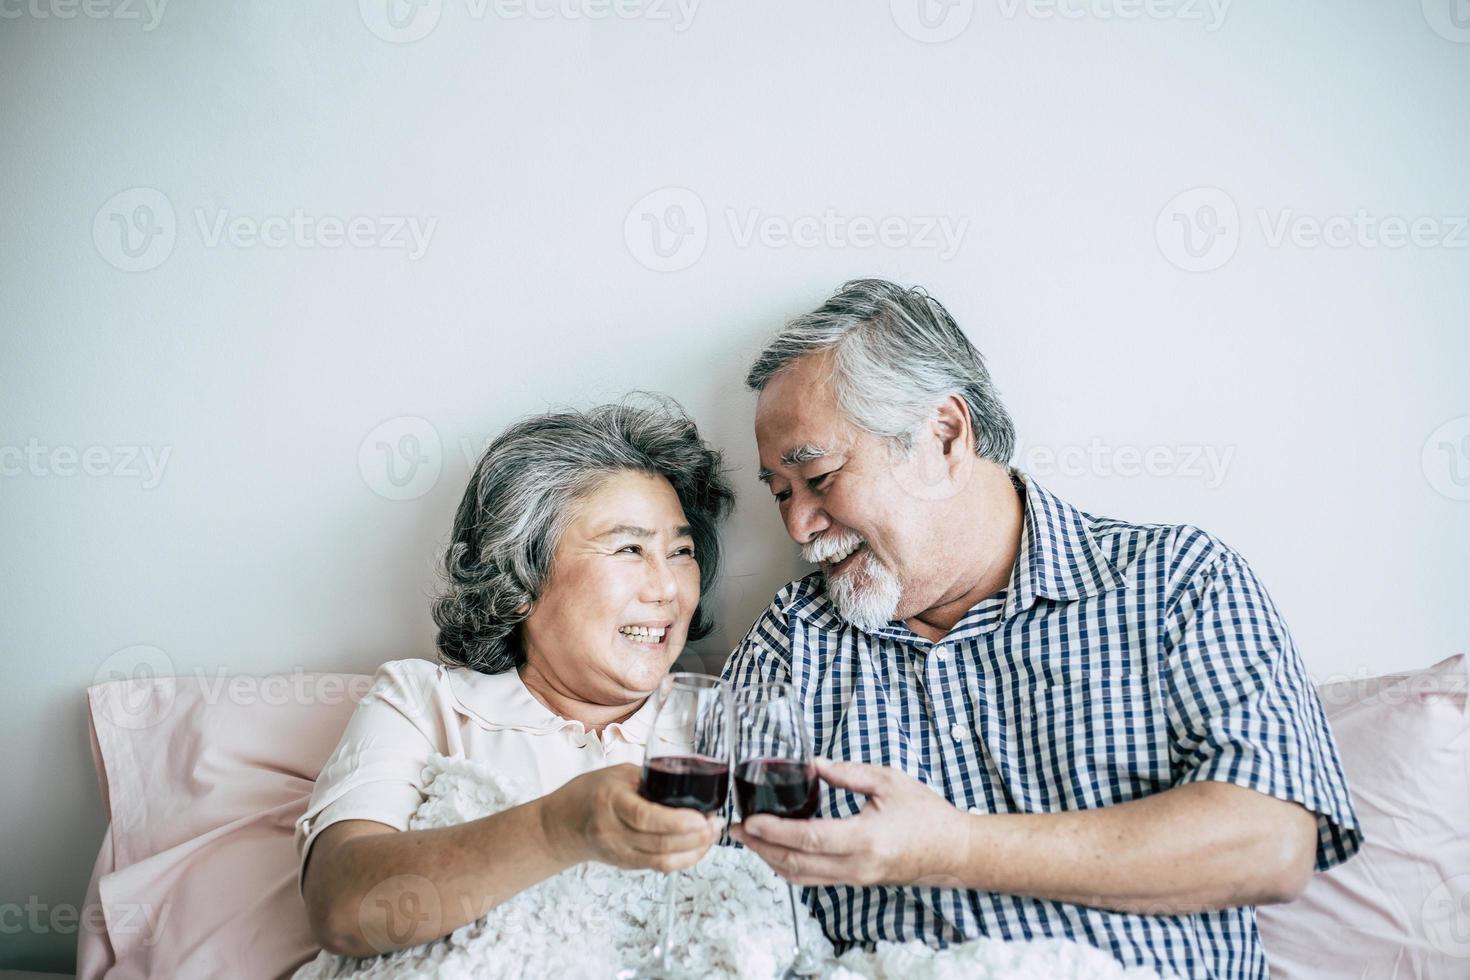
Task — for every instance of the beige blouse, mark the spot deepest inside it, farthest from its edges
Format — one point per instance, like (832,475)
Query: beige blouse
(417,708)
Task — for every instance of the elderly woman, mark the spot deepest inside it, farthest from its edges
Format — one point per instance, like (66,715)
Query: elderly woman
(580,554)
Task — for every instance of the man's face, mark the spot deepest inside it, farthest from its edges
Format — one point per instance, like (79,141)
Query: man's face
(837,487)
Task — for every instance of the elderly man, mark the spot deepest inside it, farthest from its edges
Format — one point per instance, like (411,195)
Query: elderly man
(1043,723)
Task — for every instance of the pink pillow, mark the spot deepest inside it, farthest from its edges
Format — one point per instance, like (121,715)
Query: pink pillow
(1400,908)
(203,779)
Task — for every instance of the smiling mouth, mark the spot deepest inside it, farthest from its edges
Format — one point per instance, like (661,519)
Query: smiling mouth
(647,637)
(845,562)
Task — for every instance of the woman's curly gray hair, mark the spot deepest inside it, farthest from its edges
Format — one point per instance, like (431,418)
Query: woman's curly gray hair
(521,498)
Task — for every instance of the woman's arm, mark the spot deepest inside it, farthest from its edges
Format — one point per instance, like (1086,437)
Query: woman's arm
(371,889)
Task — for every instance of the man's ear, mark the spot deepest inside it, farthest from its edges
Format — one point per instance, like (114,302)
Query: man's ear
(944,464)
(523,608)
(951,423)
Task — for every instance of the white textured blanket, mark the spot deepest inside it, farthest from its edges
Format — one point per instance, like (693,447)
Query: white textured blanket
(732,915)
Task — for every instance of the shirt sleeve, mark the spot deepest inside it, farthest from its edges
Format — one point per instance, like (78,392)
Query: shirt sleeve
(764,656)
(376,771)
(1242,710)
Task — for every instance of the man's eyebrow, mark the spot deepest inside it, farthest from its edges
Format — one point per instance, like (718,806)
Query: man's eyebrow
(804,453)
(632,530)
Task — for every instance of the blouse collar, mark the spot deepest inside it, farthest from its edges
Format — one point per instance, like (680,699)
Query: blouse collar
(502,701)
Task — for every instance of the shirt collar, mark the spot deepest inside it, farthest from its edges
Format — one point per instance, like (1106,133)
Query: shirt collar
(502,702)
(1059,558)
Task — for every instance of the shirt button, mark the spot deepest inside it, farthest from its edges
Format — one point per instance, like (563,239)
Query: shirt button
(940,653)
(976,810)
(958,731)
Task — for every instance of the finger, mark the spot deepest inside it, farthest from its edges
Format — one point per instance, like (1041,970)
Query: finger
(679,861)
(638,814)
(670,843)
(801,868)
(821,836)
(858,776)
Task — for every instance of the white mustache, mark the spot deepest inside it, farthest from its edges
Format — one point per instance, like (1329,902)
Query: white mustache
(818,551)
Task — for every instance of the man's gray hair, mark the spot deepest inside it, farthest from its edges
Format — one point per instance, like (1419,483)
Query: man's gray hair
(522,497)
(897,353)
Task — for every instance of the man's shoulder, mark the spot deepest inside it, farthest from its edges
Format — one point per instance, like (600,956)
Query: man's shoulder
(1178,553)
(800,597)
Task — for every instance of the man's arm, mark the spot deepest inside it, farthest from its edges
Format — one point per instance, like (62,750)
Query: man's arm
(1205,845)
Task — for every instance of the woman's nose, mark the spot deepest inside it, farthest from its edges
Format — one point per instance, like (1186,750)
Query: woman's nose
(660,586)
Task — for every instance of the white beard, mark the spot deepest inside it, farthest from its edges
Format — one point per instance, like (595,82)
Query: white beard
(866,596)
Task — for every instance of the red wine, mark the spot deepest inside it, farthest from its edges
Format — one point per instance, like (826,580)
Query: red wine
(691,781)
(783,787)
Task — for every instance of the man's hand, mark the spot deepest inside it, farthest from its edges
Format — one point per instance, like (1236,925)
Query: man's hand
(906,834)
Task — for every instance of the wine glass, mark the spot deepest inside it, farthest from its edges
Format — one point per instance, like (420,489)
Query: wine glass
(687,764)
(774,774)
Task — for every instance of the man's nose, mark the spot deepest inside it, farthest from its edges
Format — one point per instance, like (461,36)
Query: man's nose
(805,519)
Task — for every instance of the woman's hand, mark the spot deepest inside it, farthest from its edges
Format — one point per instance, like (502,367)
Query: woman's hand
(599,816)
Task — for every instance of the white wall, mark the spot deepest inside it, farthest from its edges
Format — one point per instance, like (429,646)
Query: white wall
(1054,145)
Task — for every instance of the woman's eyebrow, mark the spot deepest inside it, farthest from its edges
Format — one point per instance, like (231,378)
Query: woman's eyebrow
(633,531)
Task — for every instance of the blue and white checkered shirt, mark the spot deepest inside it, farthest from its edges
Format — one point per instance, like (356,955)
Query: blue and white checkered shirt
(1122,660)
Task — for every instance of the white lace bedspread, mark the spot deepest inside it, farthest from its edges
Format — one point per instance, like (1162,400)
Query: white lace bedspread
(732,921)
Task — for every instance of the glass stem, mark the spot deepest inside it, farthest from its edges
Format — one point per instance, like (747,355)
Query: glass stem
(667,946)
(795,922)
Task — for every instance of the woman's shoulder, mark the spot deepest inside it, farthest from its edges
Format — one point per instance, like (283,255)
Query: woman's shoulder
(413,684)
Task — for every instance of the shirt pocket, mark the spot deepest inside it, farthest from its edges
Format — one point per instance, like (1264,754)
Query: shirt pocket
(1090,739)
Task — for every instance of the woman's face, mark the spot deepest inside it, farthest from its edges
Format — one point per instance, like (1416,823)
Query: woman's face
(623,587)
